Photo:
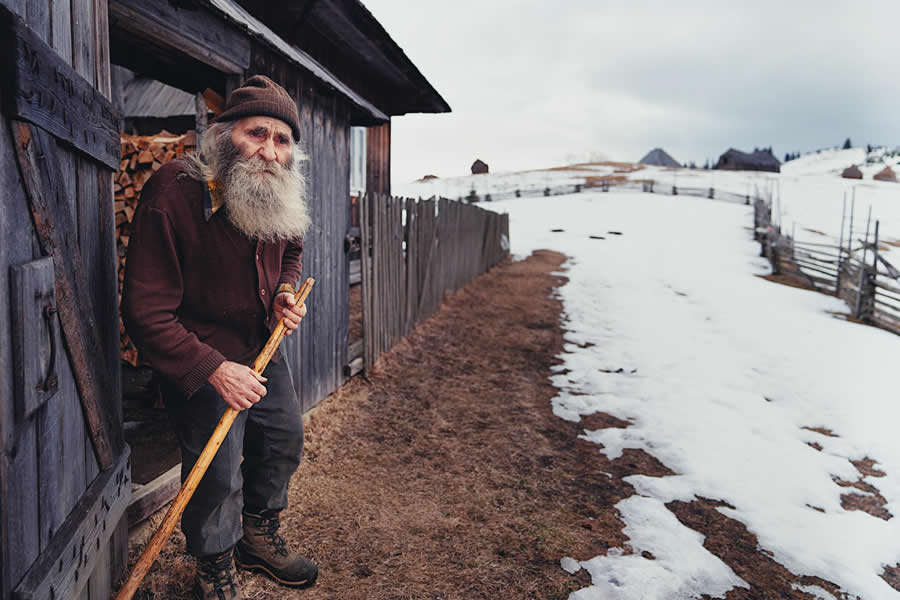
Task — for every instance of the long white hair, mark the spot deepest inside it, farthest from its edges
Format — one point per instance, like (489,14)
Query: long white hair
(264,200)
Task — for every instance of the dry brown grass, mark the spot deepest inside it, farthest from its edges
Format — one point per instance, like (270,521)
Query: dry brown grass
(446,475)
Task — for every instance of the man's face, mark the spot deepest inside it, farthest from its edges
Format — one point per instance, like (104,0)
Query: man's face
(266,137)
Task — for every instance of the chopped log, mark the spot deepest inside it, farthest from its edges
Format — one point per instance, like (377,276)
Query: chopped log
(145,157)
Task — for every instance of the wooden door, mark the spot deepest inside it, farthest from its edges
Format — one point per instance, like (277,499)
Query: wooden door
(64,472)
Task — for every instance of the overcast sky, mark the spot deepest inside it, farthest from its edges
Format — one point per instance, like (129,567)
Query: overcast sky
(543,83)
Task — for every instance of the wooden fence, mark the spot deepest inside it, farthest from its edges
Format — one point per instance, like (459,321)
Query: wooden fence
(854,270)
(412,252)
(606,185)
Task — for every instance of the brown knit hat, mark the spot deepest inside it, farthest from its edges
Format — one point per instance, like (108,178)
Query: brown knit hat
(262,97)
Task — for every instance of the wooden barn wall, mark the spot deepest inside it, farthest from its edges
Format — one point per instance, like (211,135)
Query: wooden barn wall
(48,461)
(318,354)
(378,159)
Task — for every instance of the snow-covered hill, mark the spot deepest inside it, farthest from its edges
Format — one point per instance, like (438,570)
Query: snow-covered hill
(808,196)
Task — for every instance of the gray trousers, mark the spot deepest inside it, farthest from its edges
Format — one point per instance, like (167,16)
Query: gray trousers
(269,437)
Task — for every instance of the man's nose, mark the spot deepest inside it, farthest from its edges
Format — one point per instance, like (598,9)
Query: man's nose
(267,151)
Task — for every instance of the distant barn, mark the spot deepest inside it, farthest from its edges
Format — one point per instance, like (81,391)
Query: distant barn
(852,172)
(886,174)
(659,158)
(760,160)
(479,167)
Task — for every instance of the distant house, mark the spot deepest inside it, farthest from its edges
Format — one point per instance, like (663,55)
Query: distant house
(659,158)
(886,174)
(760,160)
(479,167)
(852,172)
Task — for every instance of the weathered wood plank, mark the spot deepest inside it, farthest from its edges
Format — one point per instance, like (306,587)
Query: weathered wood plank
(18,456)
(83,39)
(16,6)
(149,498)
(61,28)
(37,348)
(201,34)
(41,88)
(37,16)
(101,48)
(64,567)
(53,224)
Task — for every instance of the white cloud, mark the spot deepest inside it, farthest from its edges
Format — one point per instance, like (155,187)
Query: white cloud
(531,83)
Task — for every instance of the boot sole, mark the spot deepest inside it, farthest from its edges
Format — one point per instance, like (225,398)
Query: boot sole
(261,568)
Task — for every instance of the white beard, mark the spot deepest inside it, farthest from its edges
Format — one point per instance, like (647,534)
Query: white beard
(265,200)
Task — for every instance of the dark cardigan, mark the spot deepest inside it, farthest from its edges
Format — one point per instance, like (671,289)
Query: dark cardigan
(197,291)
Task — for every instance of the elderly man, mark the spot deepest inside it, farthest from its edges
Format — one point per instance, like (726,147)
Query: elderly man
(213,260)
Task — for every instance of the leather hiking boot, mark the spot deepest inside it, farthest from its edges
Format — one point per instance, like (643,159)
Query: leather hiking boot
(216,578)
(263,549)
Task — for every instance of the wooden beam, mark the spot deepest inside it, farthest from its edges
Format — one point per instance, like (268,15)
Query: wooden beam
(64,567)
(57,235)
(149,498)
(214,101)
(200,34)
(40,87)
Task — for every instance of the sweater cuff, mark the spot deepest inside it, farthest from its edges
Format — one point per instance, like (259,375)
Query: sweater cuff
(201,372)
(285,287)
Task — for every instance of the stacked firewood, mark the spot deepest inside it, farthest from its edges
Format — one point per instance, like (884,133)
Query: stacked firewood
(141,157)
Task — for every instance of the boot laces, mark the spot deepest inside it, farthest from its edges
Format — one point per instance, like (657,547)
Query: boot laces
(218,570)
(273,538)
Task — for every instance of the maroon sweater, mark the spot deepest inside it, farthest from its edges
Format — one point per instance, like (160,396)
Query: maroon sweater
(197,291)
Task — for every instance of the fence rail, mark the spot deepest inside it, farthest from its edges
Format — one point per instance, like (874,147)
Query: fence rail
(412,252)
(607,185)
(854,270)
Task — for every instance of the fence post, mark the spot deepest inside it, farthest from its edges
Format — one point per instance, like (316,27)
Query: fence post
(712,193)
(840,265)
(862,271)
(674,190)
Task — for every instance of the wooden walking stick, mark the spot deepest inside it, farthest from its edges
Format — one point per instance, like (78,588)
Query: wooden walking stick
(193,479)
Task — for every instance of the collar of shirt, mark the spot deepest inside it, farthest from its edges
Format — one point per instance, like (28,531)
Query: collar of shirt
(212,199)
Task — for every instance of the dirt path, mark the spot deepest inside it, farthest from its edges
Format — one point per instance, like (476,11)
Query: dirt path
(446,476)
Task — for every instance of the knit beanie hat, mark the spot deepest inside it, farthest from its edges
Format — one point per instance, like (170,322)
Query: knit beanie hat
(262,97)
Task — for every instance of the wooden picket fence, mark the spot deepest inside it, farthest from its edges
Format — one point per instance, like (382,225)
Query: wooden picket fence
(412,253)
(854,270)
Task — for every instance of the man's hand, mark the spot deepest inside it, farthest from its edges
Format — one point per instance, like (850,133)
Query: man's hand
(285,306)
(240,386)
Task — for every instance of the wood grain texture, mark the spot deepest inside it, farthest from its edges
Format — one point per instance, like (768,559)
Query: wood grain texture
(35,336)
(64,567)
(55,229)
(147,499)
(42,88)
(201,34)
(18,457)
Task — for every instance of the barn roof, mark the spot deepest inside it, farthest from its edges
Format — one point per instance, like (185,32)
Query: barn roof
(354,45)
(237,14)
(852,172)
(659,158)
(762,158)
(886,174)
(144,97)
